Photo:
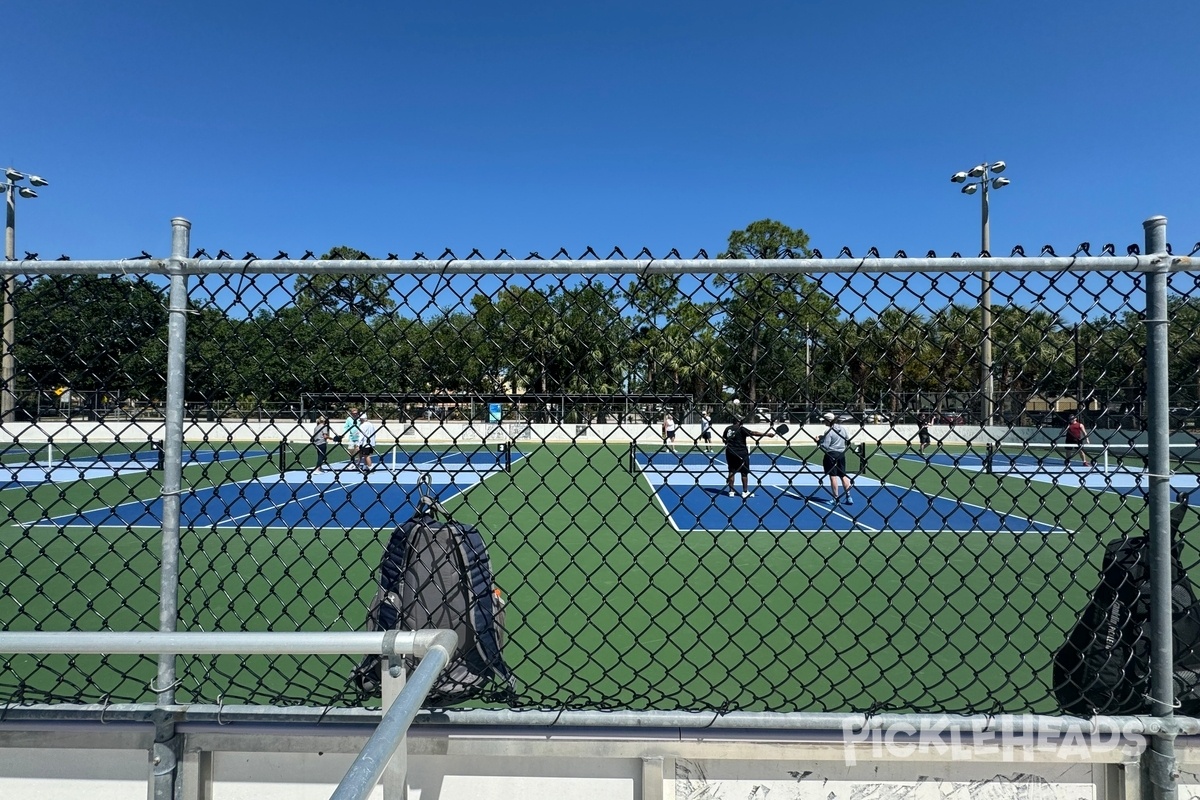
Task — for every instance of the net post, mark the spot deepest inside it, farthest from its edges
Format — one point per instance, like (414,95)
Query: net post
(860,450)
(505,456)
(282,455)
(632,463)
(989,453)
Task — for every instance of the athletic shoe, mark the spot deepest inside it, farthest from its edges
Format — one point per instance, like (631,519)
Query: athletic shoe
(849,499)
(747,494)
(732,493)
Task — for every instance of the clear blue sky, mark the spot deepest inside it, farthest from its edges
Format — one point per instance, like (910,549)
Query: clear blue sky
(416,126)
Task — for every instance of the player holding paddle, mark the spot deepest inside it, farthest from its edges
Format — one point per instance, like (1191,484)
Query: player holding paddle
(737,453)
(833,444)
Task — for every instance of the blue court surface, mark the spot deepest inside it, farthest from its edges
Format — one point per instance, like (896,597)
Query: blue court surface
(793,495)
(340,497)
(76,468)
(1122,476)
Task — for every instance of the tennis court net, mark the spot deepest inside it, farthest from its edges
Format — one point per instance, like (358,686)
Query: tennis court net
(50,454)
(1052,457)
(398,456)
(769,457)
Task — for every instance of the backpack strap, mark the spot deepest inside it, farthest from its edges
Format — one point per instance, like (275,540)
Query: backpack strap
(427,502)
(1177,514)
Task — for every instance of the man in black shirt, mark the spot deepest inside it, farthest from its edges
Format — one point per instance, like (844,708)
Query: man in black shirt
(737,454)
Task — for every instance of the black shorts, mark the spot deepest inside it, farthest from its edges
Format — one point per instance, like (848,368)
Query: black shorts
(923,436)
(738,463)
(834,465)
(706,436)
(365,449)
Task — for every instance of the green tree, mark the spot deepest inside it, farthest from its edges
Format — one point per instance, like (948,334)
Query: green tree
(91,332)
(767,239)
(770,317)
(362,296)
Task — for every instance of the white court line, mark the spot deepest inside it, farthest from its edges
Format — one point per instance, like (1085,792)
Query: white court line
(272,506)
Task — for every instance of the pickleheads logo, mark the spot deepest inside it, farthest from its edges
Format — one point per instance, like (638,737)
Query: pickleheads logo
(1008,738)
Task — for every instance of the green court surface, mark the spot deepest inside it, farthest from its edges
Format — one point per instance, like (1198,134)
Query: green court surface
(610,605)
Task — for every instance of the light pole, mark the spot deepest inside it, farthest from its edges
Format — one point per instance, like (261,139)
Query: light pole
(983,178)
(12,188)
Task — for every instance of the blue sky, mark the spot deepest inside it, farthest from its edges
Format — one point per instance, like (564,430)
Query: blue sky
(416,126)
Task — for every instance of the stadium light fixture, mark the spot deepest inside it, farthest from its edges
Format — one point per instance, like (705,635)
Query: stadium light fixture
(982,173)
(12,189)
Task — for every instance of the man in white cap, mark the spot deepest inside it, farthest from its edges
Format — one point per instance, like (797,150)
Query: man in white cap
(834,444)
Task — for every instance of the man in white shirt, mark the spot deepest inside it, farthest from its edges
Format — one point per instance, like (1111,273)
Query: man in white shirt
(366,442)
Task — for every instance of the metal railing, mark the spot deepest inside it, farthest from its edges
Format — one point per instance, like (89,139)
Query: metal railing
(433,647)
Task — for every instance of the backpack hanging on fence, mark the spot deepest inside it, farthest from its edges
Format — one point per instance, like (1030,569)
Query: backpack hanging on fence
(435,573)
(1104,665)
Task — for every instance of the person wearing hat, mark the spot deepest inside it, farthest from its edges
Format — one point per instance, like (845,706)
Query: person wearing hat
(834,444)
(737,454)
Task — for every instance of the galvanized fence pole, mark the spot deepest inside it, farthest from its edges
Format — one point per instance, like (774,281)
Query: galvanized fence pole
(1163,771)
(166,755)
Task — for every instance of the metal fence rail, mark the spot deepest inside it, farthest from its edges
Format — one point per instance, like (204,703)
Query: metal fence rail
(633,580)
(433,647)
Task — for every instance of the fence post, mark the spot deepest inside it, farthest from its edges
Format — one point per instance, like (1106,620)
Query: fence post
(167,751)
(1163,770)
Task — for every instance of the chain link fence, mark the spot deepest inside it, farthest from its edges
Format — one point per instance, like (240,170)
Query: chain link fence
(164,467)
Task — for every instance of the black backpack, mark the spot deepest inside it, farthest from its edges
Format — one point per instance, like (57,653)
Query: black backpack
(1104,665)
(435,573)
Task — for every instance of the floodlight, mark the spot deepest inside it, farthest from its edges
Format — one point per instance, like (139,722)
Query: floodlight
(958,177)
(998,167)
(970,188)
(25,191)
(12,174)
(999,182)
(978,171)
(37,180)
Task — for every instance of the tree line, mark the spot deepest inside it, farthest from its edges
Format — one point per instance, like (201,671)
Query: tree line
(773,339)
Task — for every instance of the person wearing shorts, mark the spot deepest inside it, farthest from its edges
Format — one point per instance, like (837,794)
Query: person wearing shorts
(350,431)
(320,440)
(668,430)
(366,443)
(834,444)
(1076,436)
(923,431)
(737,454)
(705,428)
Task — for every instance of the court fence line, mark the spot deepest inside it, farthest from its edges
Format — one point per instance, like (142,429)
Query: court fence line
(795,336)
